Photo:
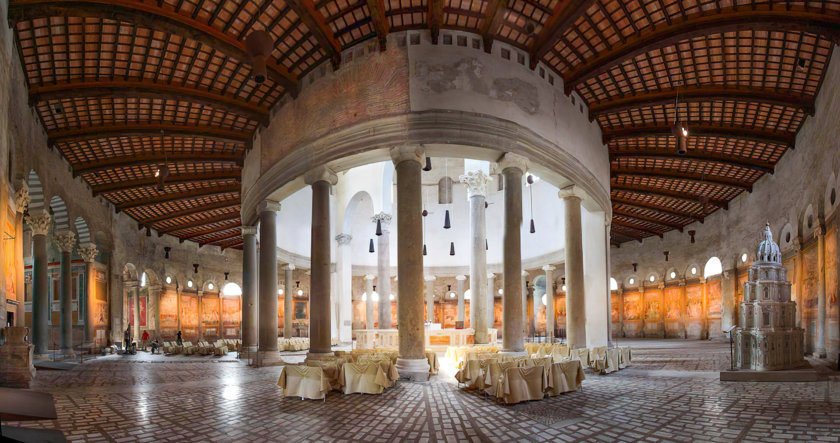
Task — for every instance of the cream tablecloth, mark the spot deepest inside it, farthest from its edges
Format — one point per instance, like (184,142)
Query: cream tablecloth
(565,377)
(522,384)
(303,381)
(363,378)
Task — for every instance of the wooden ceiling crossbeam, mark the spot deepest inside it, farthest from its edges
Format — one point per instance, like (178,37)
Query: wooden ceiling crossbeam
(778,16)
(156,158)
(566,12)
(494,15)
(688,176)
(760,135)
(139,88)
(210,230)
(637,227)
(196,223)
(314,20)
(648,219)
(153,15)
(655,207)
(174,179)
(149,221)
(434,18)
(695,154)
(167,197)
(379,21)
(234,234)
(667,193)
(704,93)
(231,244)
(143,129)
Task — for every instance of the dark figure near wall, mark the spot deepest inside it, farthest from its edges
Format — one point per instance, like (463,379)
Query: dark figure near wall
(179,340)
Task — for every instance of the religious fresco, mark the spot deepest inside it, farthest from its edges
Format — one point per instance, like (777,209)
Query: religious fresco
(694,301)
(300,310)
(210,311)
(189,311)
(168,309)
(713,297)
(10,268)
(142,310)
(615,305)
(831,292)
(653,307)
(231,311)
(632,309)
(673,303)
(810,279)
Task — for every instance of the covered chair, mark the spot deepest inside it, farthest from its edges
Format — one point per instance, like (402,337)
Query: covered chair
(564,377)
(522,384)
(363,378)
(304,382)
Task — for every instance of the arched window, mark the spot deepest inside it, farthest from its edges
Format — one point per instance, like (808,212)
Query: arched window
(445,191)
(713,267)
(144,280)
(613,284)
(231,289)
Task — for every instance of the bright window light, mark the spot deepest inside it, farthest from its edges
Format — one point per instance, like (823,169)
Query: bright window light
(210,286)
(231,289)
(168,280)
(143,280)
(652,278)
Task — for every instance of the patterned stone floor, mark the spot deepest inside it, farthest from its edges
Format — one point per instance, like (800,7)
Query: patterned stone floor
(670,393)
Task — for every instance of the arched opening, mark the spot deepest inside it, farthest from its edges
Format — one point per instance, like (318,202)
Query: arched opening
(445,190)
(713,267)
(231,289)
(613,284)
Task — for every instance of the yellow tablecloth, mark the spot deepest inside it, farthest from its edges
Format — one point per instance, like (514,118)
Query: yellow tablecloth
(303,381)
(565,377)
(434,365)
(582,355)
(624,357)
(523,384)
(363,378)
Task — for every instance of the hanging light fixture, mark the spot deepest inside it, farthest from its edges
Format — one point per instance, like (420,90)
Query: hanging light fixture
(424,249)
(446,221)
(486,245)
(166,250)
(530,181)
(666,255)
(195,268)
(691,234)
(378,228)
(259,45)
(226,275)
(428,166)
(679,130)
(370,249)
(452,248)
(424,214)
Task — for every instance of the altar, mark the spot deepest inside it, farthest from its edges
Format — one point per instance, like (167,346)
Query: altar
(436,339)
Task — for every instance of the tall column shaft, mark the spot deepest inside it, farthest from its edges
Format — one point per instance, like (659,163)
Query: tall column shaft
(820,350)
(430,299)
(476,182)
(383,268)
(412,361)
(288,300)
(268,277)
(66,241)
(550,313)
(135,321)
(513,166)
(39,221)
(344,269)
(369,323)
(90,301)
(491,300)
(250,285)
(320,326)
(575,293)
(525,324)
(461,304)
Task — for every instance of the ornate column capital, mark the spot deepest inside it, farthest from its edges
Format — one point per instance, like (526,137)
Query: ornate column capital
(512,160)
(369,276)
(491,275)
(569,192)
(343,239)
(429,278)
(408,153)
(318,174)
(39,220)
(249,230)
(268,205)
(476,182)
(382,217)
(549,268)
(88,252)
(526,274)
(460,277)
(288,267)
(22,197)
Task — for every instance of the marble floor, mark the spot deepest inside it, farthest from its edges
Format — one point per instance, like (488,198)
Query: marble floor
(671,392)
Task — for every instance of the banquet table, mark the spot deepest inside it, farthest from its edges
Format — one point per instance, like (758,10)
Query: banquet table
(303,381)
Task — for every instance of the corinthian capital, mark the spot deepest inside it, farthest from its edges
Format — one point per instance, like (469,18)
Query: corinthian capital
(476,182)
(66,240)
(22,198)
(39,221)
(343,239)
(88,252)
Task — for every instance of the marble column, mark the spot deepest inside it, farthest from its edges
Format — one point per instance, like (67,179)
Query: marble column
(288,300)
(575,292)
(66,241)
(430,298)
(535,308)
(320,324)
(819,346)
(476,182)
(607,230)
(491,300)
(550,313)
(268,310)
(513,166)
(39,222)
(369,323)
(88,252)
(344,271)
(462,280)
(383,268)
(412,362)
(525,327)
(683,308)
(134,291)
(250,300)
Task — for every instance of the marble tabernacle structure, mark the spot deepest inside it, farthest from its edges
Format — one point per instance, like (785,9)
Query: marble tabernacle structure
(767,338)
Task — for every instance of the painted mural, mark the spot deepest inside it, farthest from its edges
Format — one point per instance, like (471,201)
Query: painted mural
(168,310)
(673,303)
(632,308)
(189,311)
(142,310)
(10,269)
(210,311)
(100,297)
(231,311)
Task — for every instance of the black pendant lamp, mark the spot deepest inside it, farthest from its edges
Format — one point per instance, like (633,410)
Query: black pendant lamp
(530,181)
(446,223)
(370,249)
(378,227)
(424,249)
(428,166)
(452,248)
(486,245)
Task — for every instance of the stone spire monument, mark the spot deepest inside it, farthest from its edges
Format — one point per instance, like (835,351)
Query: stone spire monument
(767,338)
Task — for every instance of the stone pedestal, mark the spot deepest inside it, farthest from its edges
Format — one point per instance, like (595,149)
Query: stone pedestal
(16,368)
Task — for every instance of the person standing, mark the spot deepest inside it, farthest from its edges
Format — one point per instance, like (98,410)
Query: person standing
(144,339)
(179,340)
(127,337)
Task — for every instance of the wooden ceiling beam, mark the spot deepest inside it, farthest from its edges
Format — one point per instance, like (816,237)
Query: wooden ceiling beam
(696,155)
(156,158)
(628,236)
(566,12)
(667,193)
(777,16)
(174,179)
(434,18)
(153,15)
(235,234)
(146,129)
(783,138)
(379,21)
(139,88)
(689,176)
(211,230)
(314,20)
(494,15)
(149,221)
(168,197)
(636,227)
(232,244)
(655,207)
(648,219)
(704,93)
(196,223)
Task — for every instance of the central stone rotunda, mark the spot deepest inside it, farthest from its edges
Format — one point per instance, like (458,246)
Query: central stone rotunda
(767,338)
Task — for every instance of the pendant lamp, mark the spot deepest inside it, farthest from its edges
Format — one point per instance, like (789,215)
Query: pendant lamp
(378,227)
(451,248)
(424,249)
(370,249)
(446,223)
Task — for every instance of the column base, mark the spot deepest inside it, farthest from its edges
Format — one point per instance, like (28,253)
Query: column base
(319,356)
(268,358)
(413,369)
(67,353)
(248,351)
(819,353)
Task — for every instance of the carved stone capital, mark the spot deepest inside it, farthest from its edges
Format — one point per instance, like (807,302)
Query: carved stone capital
(39,221)
(288,267)
(66,240)
(343,239)
(491,275)
(249,230)
(525,274)
(88,252)
(383,218)
(22,198)
(369,277)
(569,192)
(511,160)
(549,268)
(476,182)
(408,153)
(429,277)
(268,205)
(460,277)
(320,174)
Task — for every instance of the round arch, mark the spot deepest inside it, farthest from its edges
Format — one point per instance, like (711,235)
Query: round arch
(713,267)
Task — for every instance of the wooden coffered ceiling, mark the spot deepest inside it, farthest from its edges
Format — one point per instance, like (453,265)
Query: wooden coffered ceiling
(124,85)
